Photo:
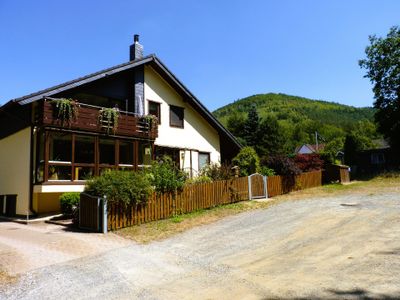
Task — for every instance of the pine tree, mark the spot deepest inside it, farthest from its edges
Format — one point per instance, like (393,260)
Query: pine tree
(251,127)
(271,138)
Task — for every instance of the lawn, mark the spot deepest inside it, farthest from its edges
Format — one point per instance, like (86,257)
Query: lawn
(162,229)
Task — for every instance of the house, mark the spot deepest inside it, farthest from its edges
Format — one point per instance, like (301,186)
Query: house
(309,149)
(371,161)
(43,153)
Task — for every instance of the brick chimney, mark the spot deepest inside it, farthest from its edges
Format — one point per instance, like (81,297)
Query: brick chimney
(136,49)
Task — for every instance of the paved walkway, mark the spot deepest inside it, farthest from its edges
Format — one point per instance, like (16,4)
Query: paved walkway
(28,247)
(335,247)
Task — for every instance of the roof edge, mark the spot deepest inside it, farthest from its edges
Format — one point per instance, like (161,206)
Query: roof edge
(81,80)
(118,68)
(196,101)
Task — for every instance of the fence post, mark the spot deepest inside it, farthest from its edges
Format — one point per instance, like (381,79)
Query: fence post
(98,214)
(80,210)
(105,227)
(265,187)
(249,184)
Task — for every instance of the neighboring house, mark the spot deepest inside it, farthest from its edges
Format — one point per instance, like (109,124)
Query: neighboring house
(309,149)
(375,160)
(41,156)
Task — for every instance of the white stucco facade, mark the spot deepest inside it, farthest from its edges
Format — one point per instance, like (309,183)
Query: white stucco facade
(197,135)
(15,151)
(196,143)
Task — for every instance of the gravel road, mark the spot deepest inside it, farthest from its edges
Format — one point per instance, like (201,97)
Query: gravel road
(333,247)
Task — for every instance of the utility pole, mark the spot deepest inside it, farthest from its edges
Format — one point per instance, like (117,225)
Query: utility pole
(316,141)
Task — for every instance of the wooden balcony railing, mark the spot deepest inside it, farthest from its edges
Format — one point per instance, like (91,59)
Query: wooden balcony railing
(87,119)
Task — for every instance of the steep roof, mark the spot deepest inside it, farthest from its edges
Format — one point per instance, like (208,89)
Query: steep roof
(313,148)
(151,60)
(82,80)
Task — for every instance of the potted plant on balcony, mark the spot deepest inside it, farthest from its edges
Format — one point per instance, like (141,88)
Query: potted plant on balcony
(65,110)
(108,118)
(151,120)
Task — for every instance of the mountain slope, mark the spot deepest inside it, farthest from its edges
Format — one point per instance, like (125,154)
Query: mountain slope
(296,109)
(296,120)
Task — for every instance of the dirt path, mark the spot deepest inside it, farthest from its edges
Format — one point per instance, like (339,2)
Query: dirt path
(28,247)
(343,246)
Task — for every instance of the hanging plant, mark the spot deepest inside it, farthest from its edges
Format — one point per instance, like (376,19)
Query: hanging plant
(108,117)
(150,119)
(65,110)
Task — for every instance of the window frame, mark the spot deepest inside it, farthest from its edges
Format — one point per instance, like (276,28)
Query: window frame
(44,166)
(171,107)
(158,109)
(198,159)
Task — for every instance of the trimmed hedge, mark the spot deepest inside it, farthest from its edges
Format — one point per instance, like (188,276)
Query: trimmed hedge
(69,202)
(125,187)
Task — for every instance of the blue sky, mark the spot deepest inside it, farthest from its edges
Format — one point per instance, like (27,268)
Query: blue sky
(221,50)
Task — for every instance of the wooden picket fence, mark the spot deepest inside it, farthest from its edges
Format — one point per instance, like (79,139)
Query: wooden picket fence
(191,198)
(279,185)
(202,196)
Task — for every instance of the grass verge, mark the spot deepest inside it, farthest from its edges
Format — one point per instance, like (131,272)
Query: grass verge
(162,229)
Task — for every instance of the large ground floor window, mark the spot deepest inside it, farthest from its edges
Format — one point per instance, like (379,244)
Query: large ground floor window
(173,153)
(65,156)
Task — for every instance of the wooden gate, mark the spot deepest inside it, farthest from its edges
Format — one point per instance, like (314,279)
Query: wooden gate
(92,213)
(257,186)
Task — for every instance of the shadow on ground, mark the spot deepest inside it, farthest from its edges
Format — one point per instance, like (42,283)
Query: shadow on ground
(361,294)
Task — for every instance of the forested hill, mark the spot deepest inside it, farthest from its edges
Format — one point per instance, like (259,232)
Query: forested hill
(296,109)
(285,122)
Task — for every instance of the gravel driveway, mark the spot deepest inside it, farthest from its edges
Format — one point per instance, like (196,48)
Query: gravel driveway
(343,246)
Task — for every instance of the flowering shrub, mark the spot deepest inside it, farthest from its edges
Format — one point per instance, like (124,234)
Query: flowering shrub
(308,162)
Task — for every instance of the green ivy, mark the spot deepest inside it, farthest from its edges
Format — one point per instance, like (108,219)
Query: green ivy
(109,116)
(65,109)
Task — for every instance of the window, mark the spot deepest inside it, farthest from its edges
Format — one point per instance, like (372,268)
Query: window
(84,164)
(173,153)
(40,144)
(107,152)
(176,116)
(84,149)
(60,147)
(84,173)
(155,110)
(125,154)
(60,156)
(204,159)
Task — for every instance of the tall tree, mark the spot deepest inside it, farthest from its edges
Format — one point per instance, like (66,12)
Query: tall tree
(251,127)
(352,145)
(271,138)
(235,125)
(383,69)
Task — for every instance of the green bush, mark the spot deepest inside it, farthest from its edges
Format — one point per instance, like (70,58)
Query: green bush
(199,179)
(267,171)
(215,171)
(248,161)
(68,202)
(165,176)
(124,187)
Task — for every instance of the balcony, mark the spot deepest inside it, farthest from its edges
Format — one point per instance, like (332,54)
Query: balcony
(87,118)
